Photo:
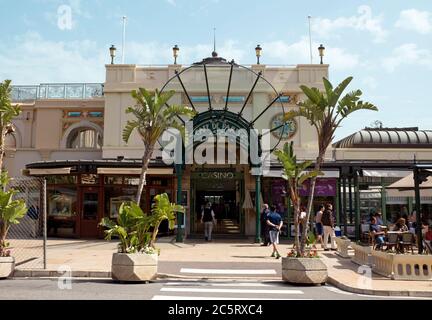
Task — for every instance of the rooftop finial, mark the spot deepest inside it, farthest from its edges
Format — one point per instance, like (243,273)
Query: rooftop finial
(214,53)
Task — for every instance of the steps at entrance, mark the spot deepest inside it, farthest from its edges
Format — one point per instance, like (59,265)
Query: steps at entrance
(226,229)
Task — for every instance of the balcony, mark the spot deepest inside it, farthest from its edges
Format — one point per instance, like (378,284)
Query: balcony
(57,91)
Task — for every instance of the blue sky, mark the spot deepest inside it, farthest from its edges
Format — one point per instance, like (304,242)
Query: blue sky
(386,45)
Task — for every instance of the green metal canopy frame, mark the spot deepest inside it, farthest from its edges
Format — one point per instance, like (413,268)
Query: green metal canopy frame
(223,118)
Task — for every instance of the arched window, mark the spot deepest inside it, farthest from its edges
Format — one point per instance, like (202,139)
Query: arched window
(10,141)
(84,138)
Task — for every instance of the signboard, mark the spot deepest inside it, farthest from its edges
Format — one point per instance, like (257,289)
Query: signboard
(216,175)
(324,187)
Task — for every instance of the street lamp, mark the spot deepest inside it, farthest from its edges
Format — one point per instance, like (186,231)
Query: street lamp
(175,50)
(112,53)
(258,53)
(321,52)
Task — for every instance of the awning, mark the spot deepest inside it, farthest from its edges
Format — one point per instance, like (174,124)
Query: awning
(279,173)
(408,193)
(407,183)
(48,172)
(386,173)
(136,171)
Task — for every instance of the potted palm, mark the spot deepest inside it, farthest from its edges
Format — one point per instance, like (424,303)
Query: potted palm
(325,111)
(10,212)
(137,256)
(300,266)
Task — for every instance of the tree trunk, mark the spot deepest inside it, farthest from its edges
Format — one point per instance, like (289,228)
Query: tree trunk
(318,163)
(145,162)
(2,150)
(154,235)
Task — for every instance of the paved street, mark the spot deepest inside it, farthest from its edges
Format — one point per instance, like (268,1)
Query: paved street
(101,289)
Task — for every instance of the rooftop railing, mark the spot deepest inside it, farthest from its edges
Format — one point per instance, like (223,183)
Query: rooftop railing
(58,91)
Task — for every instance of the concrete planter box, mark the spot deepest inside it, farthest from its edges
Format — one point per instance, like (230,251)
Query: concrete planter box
(362,254)
(402,266)
(342,247)
(7,266)
(134,267)
(304,270)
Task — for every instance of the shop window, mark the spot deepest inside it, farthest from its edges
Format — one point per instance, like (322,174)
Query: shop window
(115,196)
(84,138)
(62,202)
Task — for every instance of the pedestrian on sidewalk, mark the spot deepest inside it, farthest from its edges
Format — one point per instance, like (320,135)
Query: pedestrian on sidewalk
(274,221)
(319,226)
(264,226)
(208,218)
(327,221)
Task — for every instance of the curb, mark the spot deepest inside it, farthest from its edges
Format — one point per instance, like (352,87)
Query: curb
(55,274)
(375,292)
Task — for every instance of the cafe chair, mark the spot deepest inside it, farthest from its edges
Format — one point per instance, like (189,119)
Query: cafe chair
(407,242)
(364,235)
(392,241)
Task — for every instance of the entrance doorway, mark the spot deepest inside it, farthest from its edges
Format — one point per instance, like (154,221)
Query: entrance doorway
(90,212)
(222,189)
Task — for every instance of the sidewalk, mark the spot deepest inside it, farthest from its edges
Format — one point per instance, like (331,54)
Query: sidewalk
(92,258)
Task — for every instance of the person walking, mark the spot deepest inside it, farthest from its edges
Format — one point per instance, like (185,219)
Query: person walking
(327,221)
(264,225)
(319,226)
(208,218)
(274,221)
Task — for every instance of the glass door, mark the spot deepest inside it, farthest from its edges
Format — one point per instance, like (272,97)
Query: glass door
(90,216)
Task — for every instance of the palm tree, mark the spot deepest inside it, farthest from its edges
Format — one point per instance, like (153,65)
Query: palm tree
(7,113)
(325,111)
(152,117)
(295,175)
(162,210)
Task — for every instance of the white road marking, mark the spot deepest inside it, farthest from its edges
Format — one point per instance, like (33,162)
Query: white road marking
(216,284)
(228,271)
(162,297)
(203,290)
(337,290)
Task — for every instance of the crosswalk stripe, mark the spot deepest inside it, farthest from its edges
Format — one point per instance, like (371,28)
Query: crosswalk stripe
(162,297)
(336,290)
(215,284)
(212,290)
(228,271)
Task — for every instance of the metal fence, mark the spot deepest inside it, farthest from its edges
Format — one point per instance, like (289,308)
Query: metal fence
(28,238)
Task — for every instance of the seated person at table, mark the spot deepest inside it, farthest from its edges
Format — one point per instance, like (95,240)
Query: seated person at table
(378,216)
(401,225)
(376,232)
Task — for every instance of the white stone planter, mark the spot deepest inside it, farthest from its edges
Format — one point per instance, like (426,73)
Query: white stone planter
(362,254)
(134,267)
(7,266)
(342,247)
(304,270)
(402,266)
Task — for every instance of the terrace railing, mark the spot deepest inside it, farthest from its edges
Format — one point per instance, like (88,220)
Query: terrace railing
(57,91)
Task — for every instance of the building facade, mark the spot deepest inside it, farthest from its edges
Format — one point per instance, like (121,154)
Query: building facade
(72,135)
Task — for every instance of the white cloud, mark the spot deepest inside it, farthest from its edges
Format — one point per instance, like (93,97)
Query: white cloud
(33,59)
(364,21)
(299,52)
(370,81)
(172,2)
(412,19)
(408,54)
